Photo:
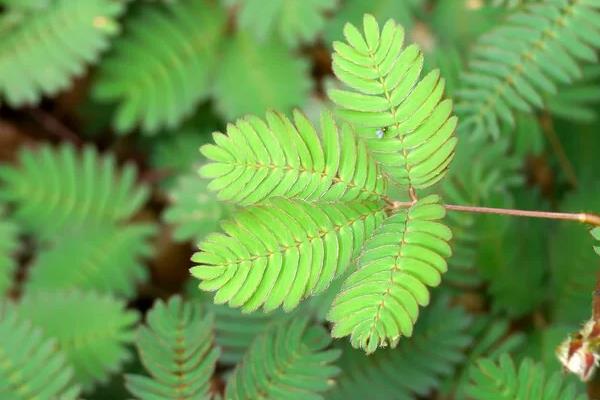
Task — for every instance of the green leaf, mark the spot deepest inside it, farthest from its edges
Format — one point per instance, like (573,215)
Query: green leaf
(258,160)
(9,244)
(380,301)
(290,361)
(352,11)
(254,77)
(501,380)
(596,235)
(283,251)
(55,190)
(408,127)
(43,50)
(491,339)
(92,330)
(235,330)
(107,259)
(578,102)
(177,348)
(514,66)
(294,21)
(415,367)
(163,65)
(31,365)
(194,210)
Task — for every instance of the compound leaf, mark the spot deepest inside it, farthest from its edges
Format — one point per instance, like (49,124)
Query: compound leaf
(60,189)
(379,302)
(45,46)
(161,68)
(290,361)
(93,330)
(31,365)
(106,258)
(502,380)
(407,125)
(516,64)
(258,160)
(177,347)
(282,251)
(254,77)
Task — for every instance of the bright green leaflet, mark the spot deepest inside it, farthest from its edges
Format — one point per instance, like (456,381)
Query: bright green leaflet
(257,160)
(408,126)
(415,367)
(380,301)
(282,251)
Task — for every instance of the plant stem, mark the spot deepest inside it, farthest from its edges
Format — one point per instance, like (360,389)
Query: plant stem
(585,218)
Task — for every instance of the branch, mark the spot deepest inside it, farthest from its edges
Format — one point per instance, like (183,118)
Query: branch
(585,218)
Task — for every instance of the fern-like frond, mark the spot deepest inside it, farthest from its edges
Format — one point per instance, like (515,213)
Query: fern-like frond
(43,50)
(290,361)
(380,301)
(415,367)
(258,160)
(294,21)
(194,211)
(94,331)
(60,189)
(491,339)
(352,11)
(162,66)
(254,77)
(406,123)
(515,65)
(9,244)
(578,102)
(178,350)
(235,331)
(502,380)
(282,251)
(31,365)
(106,258)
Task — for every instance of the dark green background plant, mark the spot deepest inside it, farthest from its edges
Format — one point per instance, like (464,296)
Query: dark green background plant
(305,209)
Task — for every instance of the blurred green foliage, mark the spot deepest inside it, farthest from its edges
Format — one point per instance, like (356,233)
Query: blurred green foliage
(103,106)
